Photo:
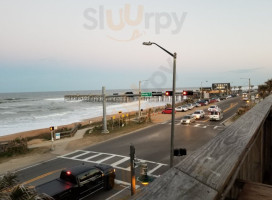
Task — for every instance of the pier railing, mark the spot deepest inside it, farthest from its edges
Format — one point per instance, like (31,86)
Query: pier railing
(240,153)
(157,97)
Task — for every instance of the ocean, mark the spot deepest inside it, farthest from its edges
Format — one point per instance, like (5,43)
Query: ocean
(29,111)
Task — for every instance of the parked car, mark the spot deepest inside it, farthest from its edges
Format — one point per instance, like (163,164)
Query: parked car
(203,103)
(187,119)
(197,104)
(183,108)
(167,111)
(198,114)
(213,107)
(190,106)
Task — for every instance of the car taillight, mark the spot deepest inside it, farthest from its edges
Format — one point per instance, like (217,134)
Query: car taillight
(68,173)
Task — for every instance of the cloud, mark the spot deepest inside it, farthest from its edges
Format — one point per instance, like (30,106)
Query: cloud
(242,71)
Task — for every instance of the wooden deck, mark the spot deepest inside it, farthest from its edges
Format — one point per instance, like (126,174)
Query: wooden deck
(253,191)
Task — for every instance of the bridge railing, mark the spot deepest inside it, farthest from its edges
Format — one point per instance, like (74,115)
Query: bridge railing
(241,152)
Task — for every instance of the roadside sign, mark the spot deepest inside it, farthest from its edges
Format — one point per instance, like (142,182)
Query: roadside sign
(146,94)
(57,136)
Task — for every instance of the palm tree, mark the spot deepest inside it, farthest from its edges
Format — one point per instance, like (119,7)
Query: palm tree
(269,85)
(262,91)
(10,190)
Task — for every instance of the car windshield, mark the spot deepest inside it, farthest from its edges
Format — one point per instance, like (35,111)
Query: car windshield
(212,106)
(186,117)
(214,113)
(197,112)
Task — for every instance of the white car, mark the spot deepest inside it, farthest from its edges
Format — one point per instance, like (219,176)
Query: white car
(213,107)
(181,108)
(198,114)
(190,106)
(187,119)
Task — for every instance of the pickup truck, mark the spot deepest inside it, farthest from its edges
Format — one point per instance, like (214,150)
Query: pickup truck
(79,182)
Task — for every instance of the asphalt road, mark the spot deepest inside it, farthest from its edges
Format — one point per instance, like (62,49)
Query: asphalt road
(152,146)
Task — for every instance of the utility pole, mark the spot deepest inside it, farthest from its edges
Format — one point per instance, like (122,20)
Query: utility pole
(132,170)
(104,130)
(249,93)
(139,114)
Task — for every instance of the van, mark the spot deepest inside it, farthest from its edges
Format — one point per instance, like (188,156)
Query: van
(216,115)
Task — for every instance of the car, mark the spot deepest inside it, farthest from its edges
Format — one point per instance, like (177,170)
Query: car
(197,104)
(228,97)
(202,102)
(187,119)
(213,107)
(216,115)
(213,100)
(79,182)
(190,106)
(198,114)
(167,111)
(182,108)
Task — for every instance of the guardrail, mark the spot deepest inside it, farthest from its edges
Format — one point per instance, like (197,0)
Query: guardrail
(241,152)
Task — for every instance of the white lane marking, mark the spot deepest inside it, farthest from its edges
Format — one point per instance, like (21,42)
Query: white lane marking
(65,155)
(227,119)
(124,183)
(204,127)
(82,154)
(115,165)
(89,158)
(117,193)
(155,168)
(120,161)
(100,161)
(197,125)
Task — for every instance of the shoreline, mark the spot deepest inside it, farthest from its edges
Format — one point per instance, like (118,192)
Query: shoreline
(36,132)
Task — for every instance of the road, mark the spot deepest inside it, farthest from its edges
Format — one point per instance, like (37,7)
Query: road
(152,146)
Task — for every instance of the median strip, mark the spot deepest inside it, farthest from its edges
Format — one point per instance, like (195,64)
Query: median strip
(231,106)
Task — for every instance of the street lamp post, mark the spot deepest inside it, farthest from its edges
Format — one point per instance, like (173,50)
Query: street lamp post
(174,55)
(249,93)
(201,90)
(139,114)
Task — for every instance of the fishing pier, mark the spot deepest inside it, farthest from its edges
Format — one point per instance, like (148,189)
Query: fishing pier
(124,98)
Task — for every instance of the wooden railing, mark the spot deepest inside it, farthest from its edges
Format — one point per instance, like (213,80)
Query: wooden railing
(242,152)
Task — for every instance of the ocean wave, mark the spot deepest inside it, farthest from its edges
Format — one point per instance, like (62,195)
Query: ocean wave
(55,99)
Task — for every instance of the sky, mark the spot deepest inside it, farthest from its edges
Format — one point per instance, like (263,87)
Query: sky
(70,45)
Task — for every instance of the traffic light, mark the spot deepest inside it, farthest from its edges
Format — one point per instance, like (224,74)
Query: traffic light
(180,152)
(51,128)
(169,93)
(187,92)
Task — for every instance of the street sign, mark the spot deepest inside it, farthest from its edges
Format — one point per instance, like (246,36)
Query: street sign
(146,94)
(57,136)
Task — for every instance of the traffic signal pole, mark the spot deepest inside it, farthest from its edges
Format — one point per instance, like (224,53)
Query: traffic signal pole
(132,169)
(173,112)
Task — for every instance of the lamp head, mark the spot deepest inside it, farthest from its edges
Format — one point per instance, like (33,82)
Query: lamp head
(147,43)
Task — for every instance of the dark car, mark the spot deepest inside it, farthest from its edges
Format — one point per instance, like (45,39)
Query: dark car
(202,102)
(79,182)
(167,111)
